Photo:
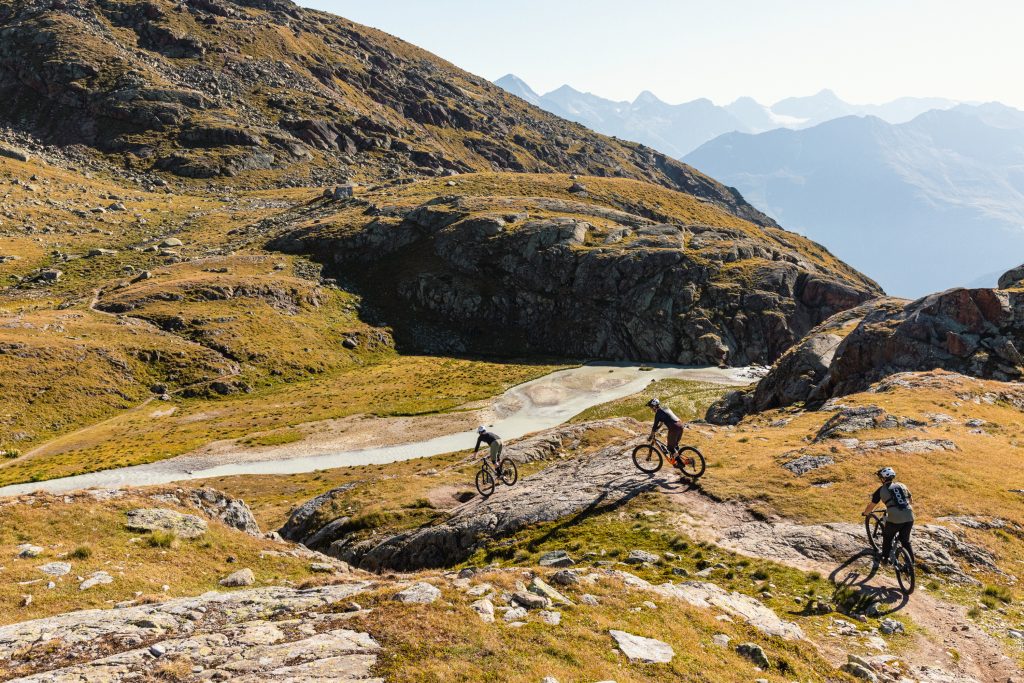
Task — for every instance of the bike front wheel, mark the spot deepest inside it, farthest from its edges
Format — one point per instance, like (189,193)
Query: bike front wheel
(873,527)
(485,483)
(647,458)
(904,568)
(508,472)
(690,462)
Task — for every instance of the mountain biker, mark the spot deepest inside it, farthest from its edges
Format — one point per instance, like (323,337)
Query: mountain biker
(899,508)
(492,440)
(664,416)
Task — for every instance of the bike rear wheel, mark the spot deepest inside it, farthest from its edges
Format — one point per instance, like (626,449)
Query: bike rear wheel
(690,462)
(647,458)
(873,526)
(485,482)
(904,568)
(508,472)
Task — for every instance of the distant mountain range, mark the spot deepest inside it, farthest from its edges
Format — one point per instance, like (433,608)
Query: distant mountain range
(922,194)
(920,206)
(678,129)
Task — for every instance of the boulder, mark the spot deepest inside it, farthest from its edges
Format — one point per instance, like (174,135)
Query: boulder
(641,557)
(755,653)
(27,550)
(153,519)
(243,577)
(419,593)
(485,609)
(14,153)
(1013,278)
(641,649)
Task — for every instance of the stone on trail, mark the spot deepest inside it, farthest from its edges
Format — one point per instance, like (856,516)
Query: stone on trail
(154,519)
(556,558)
(890,626)
(419,593)
(243,577)
(640,649)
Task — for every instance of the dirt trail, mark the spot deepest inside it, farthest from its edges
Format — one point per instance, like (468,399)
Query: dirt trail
(946,627)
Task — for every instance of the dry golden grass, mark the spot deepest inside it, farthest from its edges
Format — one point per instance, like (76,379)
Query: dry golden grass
(64,527)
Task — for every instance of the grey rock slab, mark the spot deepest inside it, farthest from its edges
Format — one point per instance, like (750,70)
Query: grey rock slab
(540,587)
(755,653)
(160,519)
(641,649)
(233,617)
(56,568)
(556,558)
(419,593)
(96,579)
(736,605)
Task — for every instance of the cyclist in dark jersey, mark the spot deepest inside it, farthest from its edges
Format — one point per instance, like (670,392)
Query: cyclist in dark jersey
(899,509)
(664,416)
(492,440)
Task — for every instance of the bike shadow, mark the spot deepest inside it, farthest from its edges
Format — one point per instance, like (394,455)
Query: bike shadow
(851,576)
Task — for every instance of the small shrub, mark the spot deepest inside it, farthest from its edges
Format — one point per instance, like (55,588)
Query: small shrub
(932,585)
(814,576)
(988,601)
(10,454)
(973,613)
(419,504)
(1001,593)
(760,575)
(162,539)
(82,552)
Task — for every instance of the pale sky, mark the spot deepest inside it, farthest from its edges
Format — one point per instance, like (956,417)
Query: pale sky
(868,51)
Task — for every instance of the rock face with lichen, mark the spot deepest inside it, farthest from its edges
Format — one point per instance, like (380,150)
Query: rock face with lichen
(604,277)
(976,332)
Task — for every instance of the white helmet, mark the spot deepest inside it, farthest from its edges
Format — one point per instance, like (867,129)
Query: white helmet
(654,403)
(887,473)
(481,429)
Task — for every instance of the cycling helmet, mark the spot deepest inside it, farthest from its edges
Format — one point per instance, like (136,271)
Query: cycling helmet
(481,429)
(654,403)
(887,473)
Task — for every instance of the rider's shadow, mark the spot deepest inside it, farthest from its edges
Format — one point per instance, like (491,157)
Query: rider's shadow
(854,588)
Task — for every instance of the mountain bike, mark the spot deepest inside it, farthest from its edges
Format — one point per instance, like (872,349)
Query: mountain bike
(488,476)
(901,559)
(650,456)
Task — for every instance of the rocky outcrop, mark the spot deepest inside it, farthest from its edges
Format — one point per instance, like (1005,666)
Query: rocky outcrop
(239,636)
(593,281)
(976,332)
(936,548)
(600,481)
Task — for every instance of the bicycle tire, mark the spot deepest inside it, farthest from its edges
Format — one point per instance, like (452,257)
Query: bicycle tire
(647,458)
(484,483)
(873,528)
(695,469)
(508,472)
(904,568)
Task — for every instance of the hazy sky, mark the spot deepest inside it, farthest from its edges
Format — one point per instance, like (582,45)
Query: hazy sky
(868,51)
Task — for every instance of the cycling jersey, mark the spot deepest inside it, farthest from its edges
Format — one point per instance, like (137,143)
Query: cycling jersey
(487,438)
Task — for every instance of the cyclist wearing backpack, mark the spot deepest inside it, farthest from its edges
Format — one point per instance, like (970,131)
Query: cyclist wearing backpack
(899,508)
(664,416)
